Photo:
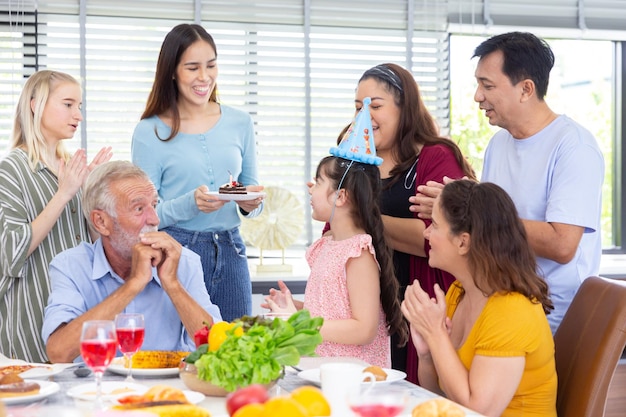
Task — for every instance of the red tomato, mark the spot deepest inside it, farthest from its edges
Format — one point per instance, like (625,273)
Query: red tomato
(132,399)
(201,336)
(252,394)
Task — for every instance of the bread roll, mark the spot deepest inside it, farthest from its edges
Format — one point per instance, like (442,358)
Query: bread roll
(158,393)
(439,407)
(18,389)
(165,393)
(378,372)
(10,379)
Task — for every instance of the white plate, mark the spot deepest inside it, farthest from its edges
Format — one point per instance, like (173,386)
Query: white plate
(110,390)
(44,371)
(313,362)
(192,396)
(313,375)
(250,195)
(40,370)
(47,388)
(117,367)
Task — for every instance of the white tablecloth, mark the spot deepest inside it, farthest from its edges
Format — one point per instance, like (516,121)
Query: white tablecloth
(61,405)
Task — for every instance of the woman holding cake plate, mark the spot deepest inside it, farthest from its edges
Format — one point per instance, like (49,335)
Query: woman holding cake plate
(191,146)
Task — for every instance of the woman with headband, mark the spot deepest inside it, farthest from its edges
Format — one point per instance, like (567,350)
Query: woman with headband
(413,152)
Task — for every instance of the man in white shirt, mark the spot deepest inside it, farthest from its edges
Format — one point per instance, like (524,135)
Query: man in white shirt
(551,166)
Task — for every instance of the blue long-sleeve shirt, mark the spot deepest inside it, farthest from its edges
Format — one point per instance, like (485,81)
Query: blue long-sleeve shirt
(178,166)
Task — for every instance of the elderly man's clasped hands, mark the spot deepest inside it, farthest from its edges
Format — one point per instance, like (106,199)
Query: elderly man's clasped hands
(160,250)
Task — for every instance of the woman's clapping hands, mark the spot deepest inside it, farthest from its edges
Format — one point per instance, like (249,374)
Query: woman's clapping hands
(426,315)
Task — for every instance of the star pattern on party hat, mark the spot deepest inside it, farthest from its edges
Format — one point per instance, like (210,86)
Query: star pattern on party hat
(358,142)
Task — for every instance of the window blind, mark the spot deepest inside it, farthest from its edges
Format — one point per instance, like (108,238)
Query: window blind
(17,61)
(292,65)
(604,15)
(278,12)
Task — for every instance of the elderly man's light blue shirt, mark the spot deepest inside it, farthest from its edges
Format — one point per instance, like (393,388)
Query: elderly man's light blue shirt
(82,278)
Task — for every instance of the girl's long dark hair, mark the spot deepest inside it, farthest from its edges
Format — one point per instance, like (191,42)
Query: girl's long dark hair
(363,185)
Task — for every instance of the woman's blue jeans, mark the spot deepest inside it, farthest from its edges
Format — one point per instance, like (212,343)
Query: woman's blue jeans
(225,268)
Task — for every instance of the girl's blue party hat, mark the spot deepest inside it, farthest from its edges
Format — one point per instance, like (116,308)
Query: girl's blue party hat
(358,142)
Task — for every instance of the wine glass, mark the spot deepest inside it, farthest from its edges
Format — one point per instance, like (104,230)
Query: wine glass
(385,402)
(130,332)
(97,347)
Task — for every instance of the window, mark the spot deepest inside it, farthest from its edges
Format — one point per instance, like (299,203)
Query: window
(17,62)
(293,68)
(293,65)
(579,87)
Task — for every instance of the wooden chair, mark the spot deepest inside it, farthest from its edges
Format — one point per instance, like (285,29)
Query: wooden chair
(588,345)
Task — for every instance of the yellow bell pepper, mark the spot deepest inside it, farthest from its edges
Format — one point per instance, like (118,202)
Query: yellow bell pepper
(220,331)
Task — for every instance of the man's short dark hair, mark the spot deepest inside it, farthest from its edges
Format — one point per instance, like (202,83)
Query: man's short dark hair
(525,57)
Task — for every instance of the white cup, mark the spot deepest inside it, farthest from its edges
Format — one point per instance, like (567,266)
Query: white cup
(339,381)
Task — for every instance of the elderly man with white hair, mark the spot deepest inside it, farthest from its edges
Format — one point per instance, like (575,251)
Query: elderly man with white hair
(131,268)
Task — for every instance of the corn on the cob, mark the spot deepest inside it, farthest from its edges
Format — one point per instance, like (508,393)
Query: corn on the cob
(146,359)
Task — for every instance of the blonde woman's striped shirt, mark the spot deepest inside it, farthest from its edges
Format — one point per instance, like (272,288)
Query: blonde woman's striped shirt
(24,282)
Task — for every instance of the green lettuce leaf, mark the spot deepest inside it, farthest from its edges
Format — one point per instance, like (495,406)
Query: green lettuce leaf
(261,353)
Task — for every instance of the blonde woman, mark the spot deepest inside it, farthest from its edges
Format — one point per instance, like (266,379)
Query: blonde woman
(40,204)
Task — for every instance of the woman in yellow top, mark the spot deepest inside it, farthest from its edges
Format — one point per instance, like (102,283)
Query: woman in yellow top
(486,344)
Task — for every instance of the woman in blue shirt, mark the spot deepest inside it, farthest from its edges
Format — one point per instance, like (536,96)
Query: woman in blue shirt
(189,144)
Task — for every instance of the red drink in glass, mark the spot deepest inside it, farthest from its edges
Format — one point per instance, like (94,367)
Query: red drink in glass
(130,333)
(98,354)
(98,343)
(383,402)
(377,410)
(130,339)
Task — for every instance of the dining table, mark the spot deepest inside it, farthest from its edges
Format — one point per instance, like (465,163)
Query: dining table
(62,404)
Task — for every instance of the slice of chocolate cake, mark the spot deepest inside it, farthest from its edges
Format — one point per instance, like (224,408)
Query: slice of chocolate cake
(233,187)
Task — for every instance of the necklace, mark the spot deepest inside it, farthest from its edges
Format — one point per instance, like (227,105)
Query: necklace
(406,178)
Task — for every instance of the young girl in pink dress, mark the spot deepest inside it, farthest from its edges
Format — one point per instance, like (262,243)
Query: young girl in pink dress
(352,283)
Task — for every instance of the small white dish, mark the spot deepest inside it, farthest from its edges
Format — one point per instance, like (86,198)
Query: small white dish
(45,371)
(46,389)
(313,362)
(37,370)
(313,375)
(250,195)
(110,390)
(193,396)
